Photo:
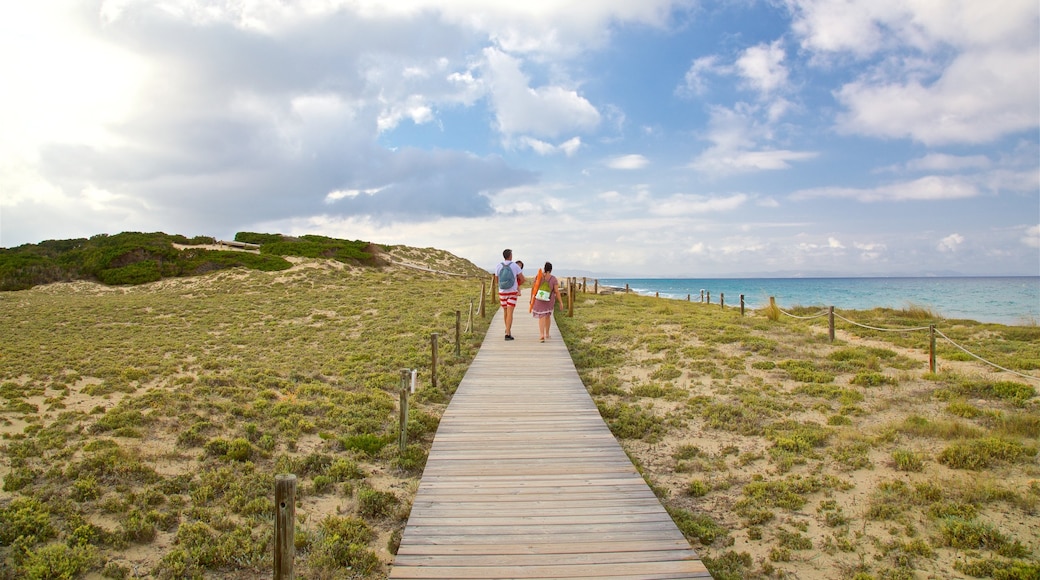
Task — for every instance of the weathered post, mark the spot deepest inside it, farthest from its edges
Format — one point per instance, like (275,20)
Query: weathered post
(595,287)
(458,333)
(570,300)
(702,295)
(626,288)
(433,360)
(657,294)
(722,299)
(742,305)
(584,285)
(831,317)
(402,437)
(709,296)
(931,350)
(483,290)
(285,526)
(688,298)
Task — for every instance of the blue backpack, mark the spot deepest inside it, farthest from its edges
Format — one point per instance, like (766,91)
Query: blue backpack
(506,277)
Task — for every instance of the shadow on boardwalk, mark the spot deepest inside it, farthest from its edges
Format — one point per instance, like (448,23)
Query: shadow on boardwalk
(525,480)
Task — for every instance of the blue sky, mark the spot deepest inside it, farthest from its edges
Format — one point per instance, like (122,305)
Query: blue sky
(651,138)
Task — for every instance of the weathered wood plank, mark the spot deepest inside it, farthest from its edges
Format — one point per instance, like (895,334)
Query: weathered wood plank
(525,480)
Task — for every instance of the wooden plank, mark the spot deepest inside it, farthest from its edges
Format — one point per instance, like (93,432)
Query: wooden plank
(525,480)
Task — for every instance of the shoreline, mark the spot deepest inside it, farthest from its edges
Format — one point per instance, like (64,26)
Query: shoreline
(1008,301)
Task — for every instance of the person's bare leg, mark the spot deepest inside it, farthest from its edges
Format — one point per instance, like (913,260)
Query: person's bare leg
(508,318)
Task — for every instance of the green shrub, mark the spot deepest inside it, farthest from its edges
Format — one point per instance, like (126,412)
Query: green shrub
(342,543)
(904,460)
(697,526)
(366,443)
(974,535)
(25,518)
(58,561)
(697,488)
(373,503)
(982,453)
(805,372)
(729,565)
(872,379)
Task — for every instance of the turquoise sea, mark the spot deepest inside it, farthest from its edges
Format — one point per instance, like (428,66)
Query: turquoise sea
(1004,300)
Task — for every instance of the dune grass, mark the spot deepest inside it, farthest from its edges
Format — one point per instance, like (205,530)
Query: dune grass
(142,427)
(814,459)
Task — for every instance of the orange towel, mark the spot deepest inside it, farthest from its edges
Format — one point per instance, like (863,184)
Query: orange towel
(534,289)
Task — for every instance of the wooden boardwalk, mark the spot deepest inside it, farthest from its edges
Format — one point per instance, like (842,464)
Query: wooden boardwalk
(525,480)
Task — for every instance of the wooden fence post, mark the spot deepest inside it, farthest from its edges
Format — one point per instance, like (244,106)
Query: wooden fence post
(402,437)
(595,287)
(742,305)
(285,526)
(483,291)
(584,285)
(831,316)
(931,350)
(433,360)
(702,295)
(570,299)
(458,333)
(722,299)
(626,288)
(709,296)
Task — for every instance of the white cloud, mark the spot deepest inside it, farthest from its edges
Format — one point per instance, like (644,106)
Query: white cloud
(870,251)
(931,188)
(694,82)
(1031,237)
(735,134)
(719,161)
(762,67)
(334,196)
(544,112)
(979,98)
(834,243)
(950,243)
(982,66)
(688,204)
(568,147)
(633,161)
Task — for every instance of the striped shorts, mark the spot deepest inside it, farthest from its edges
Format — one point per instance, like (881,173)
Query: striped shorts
(508,298)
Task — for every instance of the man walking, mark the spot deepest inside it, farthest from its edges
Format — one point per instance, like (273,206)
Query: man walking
(510,277)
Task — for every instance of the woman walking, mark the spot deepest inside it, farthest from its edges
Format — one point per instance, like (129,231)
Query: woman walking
(545,291)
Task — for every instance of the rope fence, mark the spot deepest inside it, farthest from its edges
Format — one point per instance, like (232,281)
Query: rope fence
(931,328)
(571,285)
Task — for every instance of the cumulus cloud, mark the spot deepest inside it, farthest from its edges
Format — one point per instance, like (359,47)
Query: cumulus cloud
(762,67)
(982,66)
(546,111)
(950,243)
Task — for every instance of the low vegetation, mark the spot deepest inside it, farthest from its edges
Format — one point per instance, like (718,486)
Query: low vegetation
(784,455)
(142,426)
(131,258)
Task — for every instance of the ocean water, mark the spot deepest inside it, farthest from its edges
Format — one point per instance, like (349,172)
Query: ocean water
(1003,300)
